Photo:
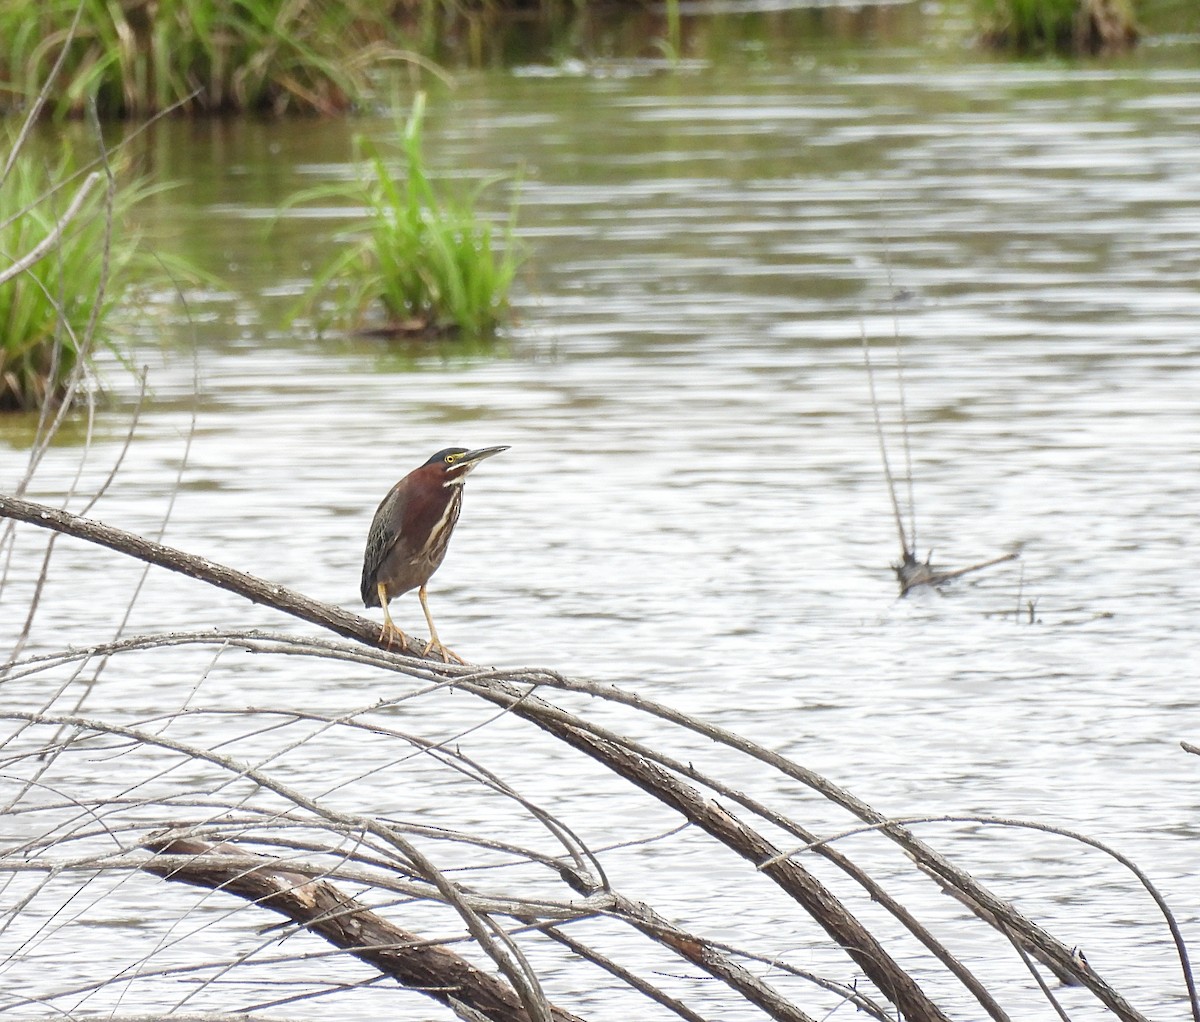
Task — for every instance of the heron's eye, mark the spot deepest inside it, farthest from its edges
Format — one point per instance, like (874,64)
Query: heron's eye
(452,458)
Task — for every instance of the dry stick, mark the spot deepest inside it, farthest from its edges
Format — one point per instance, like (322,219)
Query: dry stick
(583,879)
(946,576)
(849,992)
(887,468)
(55,235)
(629,978)
(1006,924)
(187,446)
(535,913)
(708,957)
(184,970)
(197,1016)
(352,626)
(46,427)
(910,571)
(320,907)
(1015,940)
(83,344)
(886,975)
(34,110)
(43,575)
(908,464)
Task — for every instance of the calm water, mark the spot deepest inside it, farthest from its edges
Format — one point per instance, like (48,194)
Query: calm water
(693,505)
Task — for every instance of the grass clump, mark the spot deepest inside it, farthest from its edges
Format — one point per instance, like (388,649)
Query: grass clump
(1059,26)
(66,261)
(139,57)
(423,257)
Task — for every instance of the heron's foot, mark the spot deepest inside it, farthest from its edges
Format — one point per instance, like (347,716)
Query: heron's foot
(390,634)
(447,655)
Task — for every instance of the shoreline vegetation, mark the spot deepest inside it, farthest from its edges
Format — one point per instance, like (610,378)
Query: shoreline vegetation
(195,57)
(72,258)
(141,58)
(1078,27)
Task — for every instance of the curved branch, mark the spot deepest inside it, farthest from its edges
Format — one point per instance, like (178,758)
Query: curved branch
(252,588)
(1003,920)
(321,908)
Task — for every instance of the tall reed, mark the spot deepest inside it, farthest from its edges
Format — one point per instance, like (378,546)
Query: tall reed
(67,258)
(141,56)
(1064,26)
(423,254)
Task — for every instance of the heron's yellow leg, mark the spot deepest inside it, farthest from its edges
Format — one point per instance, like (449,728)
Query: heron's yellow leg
(389,631)
(434,641)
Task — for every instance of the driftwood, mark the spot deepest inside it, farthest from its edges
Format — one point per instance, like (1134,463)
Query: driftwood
(911,573)
(293,891)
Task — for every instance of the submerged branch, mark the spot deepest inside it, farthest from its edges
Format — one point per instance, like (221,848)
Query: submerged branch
(912,573)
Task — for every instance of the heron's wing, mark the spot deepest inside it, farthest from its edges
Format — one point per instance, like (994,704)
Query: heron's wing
(384,532)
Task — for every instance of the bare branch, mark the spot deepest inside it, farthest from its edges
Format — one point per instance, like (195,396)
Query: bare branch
(320,907)
(55,236)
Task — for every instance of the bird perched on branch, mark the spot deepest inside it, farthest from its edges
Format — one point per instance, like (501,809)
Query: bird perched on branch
(410,532)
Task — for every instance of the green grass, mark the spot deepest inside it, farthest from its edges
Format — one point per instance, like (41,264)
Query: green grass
(1062,26)
(423,256)
(139,57)
(54,313)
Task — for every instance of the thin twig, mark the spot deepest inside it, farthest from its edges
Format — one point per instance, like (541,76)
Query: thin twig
(55,236)
(1005,913)
(905,549)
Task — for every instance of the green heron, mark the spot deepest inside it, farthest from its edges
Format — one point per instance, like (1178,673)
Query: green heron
(410,532)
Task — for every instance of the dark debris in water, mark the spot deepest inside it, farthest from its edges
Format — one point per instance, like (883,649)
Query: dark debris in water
(911,572)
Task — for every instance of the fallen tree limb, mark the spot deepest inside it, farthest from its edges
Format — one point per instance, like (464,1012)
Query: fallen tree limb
(319,907)
(256,590)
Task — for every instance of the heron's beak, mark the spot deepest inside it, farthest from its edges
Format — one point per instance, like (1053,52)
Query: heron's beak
(472,458)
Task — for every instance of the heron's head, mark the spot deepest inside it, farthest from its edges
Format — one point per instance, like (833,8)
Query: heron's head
(453,464)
